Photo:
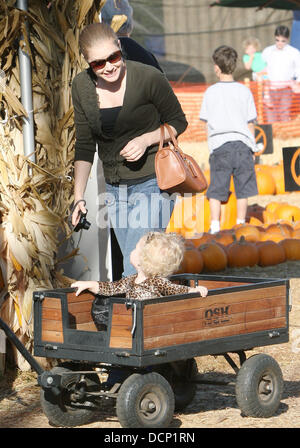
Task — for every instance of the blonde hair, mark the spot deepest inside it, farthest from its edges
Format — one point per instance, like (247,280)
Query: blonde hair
(161,254)
(96,33)
(252,41)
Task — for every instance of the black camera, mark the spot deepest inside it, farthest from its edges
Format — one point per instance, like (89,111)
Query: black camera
(83,223)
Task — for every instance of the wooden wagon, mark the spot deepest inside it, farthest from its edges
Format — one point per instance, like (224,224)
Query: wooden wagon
(146,353)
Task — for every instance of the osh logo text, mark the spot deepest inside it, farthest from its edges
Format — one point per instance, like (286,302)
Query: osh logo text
(216,316)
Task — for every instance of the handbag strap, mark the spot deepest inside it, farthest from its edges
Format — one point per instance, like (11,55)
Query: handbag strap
(171,133)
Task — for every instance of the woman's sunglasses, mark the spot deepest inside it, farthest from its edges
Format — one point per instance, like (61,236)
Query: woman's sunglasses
(112,59)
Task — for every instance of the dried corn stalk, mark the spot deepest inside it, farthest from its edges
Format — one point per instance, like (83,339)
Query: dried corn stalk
(34,208)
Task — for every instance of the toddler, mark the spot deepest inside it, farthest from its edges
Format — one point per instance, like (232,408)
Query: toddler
(254,61)
(156,256)
(253,58)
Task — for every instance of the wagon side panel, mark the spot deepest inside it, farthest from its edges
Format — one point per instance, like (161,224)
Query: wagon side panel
(121,325)
(51,321)
(216,316)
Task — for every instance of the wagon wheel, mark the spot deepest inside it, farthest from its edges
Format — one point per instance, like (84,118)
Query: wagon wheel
(70,407)
(145,401)
(259,386)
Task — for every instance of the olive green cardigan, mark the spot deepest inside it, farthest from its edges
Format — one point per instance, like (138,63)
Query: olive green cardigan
(149,100)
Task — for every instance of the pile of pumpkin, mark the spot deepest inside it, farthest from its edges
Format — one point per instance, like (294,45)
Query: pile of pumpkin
(271,236)
(243,246)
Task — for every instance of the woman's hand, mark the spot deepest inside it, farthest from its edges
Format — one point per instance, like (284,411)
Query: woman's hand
(80,208)
(82,171)
(92,286)
(135,149)
(202,289)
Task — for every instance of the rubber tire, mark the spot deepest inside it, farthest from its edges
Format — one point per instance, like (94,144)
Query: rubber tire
(184,389)
(55,407)
(250,400)
(133,393)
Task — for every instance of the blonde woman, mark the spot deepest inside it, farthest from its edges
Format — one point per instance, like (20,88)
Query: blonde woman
(156,256)
(118,108)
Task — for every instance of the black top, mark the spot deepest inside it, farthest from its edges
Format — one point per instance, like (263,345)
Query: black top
(109,117)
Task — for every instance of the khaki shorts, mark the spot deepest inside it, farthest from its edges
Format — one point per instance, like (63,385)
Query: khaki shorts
(236,159)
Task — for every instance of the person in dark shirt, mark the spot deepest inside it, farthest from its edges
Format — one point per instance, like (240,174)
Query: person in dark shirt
(135,52)
(118,108)
(131,49)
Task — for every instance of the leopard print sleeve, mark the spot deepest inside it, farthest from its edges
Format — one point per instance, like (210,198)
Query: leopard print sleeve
(167,288)
(112,288)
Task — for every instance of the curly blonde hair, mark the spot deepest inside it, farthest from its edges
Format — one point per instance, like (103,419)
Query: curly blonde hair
(161,254)
(252,41)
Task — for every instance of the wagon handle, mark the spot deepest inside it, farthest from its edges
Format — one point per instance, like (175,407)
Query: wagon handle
(134,319)
(132,305)
(24,352)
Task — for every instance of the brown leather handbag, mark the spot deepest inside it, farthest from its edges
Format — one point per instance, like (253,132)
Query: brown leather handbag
(176,171)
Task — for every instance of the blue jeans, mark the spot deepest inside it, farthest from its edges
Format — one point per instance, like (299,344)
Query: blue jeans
(133,211)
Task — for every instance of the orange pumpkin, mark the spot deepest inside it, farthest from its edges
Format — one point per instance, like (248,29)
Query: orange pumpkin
(288,212)
(222,246)
(291,248)
(270,253)
(278,175)
(201,238)
(242,253)
(265,182)
(284,230)
(272,206)
(225,237)
(276,237)
(192,262)
(250,233)
(214,257)
(269,217)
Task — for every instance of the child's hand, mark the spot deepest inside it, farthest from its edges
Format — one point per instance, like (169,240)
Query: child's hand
(202,289)
(83,285)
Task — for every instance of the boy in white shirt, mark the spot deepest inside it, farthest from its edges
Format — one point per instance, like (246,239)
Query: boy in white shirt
(228,109)
(283,69)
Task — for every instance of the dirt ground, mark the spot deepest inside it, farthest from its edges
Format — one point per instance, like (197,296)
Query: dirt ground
(214,405)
